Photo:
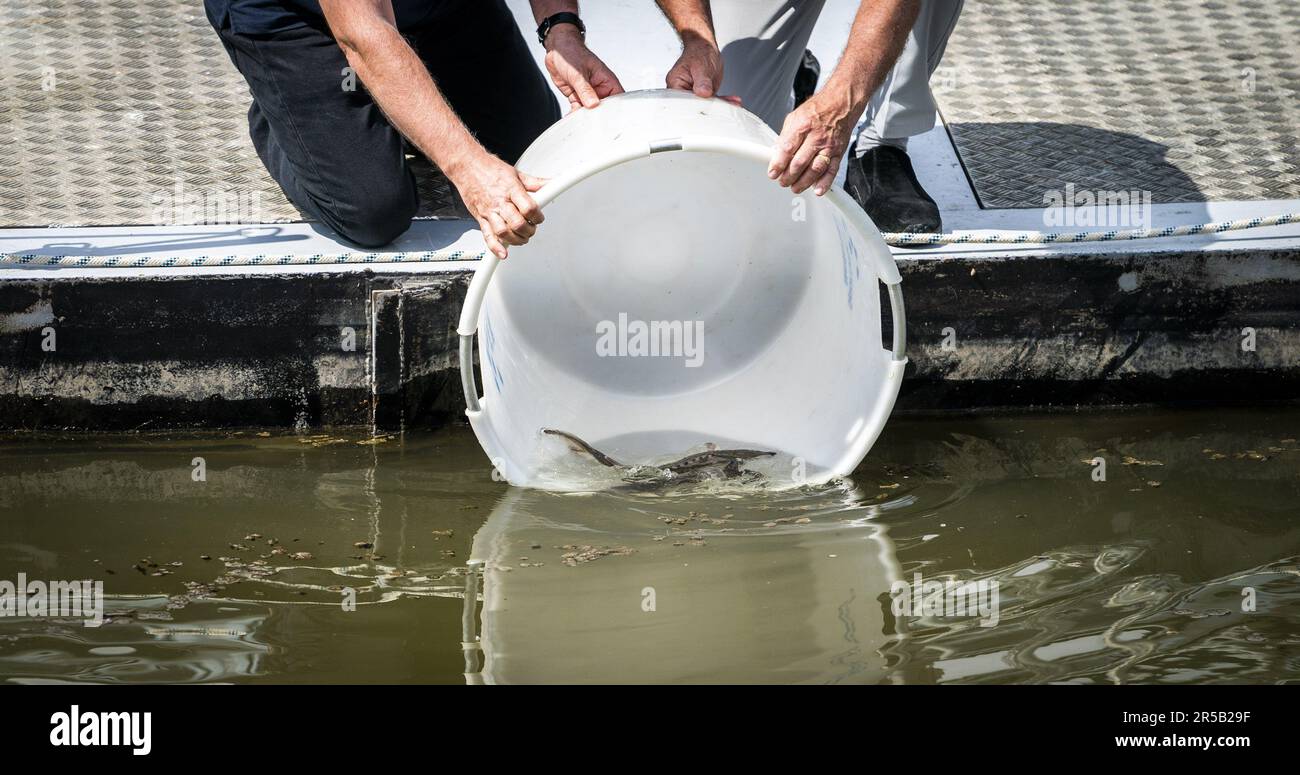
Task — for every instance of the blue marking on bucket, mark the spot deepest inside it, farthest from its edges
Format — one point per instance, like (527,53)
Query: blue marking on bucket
(490,346)
(849,254)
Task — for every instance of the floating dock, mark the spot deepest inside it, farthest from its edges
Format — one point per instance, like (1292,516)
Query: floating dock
(124,125)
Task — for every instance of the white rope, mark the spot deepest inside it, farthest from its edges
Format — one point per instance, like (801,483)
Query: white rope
(261,259)
(1039,237)
(432,256)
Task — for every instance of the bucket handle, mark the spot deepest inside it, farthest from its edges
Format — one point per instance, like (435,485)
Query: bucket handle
(552,189)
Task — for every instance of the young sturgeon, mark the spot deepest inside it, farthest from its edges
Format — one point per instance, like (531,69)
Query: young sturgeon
(699,467)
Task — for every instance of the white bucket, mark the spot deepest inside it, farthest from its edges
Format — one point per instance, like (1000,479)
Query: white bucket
(763,306)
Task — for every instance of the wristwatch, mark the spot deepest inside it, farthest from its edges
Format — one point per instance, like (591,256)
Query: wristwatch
(564,17)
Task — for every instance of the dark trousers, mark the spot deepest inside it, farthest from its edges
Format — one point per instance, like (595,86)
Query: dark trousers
(333,152)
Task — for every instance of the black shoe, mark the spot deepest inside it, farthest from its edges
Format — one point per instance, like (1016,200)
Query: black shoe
(805,78)
(884,183)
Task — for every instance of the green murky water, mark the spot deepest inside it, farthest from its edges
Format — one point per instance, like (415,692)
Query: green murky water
(1182,566)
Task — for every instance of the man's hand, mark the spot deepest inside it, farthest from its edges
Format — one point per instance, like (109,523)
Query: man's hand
(698,69)
(579,74)
(815,136)
(813,140)
(497,195)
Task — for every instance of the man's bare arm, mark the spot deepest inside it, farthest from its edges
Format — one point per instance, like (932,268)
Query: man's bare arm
(699,69)
(495,193)
(579,74)
(816,135)
(394,75)
(545,8)
(691,18)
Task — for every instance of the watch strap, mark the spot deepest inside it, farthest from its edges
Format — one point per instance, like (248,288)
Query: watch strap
(564,17)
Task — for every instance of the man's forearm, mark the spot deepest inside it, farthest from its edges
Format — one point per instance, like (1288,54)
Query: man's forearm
(394,75)
(879,32)
(545,8)
(692,19)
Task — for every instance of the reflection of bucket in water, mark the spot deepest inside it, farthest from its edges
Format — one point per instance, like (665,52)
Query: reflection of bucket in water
(677,297)
(793,605)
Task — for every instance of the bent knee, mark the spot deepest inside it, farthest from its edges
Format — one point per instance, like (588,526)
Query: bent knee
(377,220)
(375,232)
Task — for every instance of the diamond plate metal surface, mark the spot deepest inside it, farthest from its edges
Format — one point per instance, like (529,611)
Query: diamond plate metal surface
(106,106)
(1192,100)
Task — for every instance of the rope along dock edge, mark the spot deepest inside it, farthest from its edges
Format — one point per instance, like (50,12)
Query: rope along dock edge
(433,256)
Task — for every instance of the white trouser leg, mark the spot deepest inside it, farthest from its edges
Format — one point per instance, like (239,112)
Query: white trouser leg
(763,42)
(903,106)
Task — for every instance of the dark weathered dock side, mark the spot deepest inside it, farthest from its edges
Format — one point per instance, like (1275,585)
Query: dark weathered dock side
(378,348)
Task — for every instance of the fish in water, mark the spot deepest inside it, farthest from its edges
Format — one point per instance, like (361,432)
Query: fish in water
(699,467)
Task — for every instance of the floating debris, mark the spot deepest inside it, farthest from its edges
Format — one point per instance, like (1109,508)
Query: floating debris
(576,555)
(326,442)
(787,521)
